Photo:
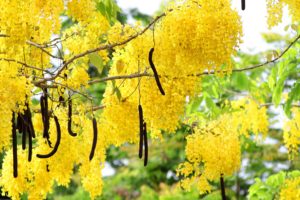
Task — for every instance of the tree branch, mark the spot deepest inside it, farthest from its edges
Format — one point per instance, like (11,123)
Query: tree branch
(258,65)
(24,64)
(137,75)
(102,47)
(43,49)
(130,76)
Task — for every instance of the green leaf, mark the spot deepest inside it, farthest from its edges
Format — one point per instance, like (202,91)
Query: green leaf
(276,180)
(273,78)
(293,95)
(194,105)
(212,106)
(118,93)
(294,174)
(242,81)
(96,60)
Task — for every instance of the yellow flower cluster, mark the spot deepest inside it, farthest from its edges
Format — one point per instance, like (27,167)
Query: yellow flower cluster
(291,134)
(79,77)
(245,115)
(211,34)
(212,150)
(90,29)
(37,177)
(214,147)
(290,190)
(180,53)
(274,8)
(13,92)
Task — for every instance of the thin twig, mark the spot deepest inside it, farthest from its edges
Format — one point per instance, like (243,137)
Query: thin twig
(24,64)
(102,47)
(281,104)
(258,65)
(137,75)
(130,76)
(43,49)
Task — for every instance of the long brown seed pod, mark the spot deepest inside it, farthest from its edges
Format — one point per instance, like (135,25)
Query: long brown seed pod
(29,145)
(30,124)
(70,119)
(14,141)
(19,123)
(145,145)
(243,4)
(150,58)
(24,133)
(222,187)
(141,120)
(95,130)
(46,117)
(58,131)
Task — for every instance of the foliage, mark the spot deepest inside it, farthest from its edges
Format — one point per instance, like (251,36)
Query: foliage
(178,79)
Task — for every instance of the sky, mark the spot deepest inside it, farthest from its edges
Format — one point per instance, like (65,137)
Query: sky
(253,18)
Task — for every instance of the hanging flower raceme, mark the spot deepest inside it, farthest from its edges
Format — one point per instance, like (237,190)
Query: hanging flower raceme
(291,134)
(212,151)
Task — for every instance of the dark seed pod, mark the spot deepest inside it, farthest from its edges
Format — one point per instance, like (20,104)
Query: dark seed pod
(19,123)
(145,144)
(150,58)
(46,117)
(70,119)
(58,131)
(14,141)
(62,101)
(141,120)
(222,187)
(29,120)
(29,146)
(243,4)
(47,168)
(24,135)
(95,130)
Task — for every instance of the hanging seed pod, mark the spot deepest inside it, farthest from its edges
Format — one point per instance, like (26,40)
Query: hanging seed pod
(222,187)
(19,123)
(14,141)
(47,168)
(30,124)
(29,146)
(150,58)
(95,130)
(58,131)
(24,134)
(46,115)
(145,145)
(62,101)
(141,120)
(70,119)
(243,4)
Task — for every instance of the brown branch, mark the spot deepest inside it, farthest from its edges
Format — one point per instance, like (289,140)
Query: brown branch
(43,49)
(3,35)
(102,47)
(258,65)
(130,76)
(137,75)
(94,108)
(24,64)
(281,104)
